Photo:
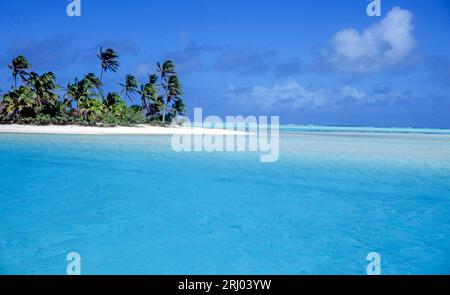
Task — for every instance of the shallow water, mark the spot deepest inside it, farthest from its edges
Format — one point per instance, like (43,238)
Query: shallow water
(129,205)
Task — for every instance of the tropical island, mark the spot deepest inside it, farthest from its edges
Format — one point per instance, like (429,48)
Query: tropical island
(37,104)
(34,97)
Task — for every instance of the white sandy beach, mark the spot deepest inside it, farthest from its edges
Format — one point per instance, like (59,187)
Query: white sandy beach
(138,130)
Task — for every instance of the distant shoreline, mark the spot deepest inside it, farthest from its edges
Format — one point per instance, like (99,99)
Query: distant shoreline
(121,130)
(146,129)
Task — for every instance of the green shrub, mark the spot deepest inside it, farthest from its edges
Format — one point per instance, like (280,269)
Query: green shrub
(44,120)
(110,120)
(80,121)
(129,116)
(64,119)
(134,117)
(4,119)
(27,121)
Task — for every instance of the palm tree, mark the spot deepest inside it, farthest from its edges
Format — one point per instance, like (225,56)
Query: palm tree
(166,71)
(92,110)
(151,101)
(115,105)
(173,91)
(130,87)
(112,99)
(18,66)
(93,82)
(35,94)
(64,106)
(81,91)
(144,93)
(73,93)
(152,79)
(178,107)
(109,61)
(17,100)
(96,110)
(156,100)
(44,86)
(91,78)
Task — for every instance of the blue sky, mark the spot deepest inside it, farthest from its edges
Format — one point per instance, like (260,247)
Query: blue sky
(310,62)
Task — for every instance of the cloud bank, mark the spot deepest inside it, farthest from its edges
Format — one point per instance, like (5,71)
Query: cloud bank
(294,96)
(288,95)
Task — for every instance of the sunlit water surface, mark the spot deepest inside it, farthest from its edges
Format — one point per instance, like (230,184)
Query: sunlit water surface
(130,205)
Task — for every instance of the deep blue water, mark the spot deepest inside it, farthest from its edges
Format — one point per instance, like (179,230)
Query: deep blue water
(130,205)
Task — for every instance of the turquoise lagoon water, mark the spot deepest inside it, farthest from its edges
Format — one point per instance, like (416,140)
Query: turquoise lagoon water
(130,205)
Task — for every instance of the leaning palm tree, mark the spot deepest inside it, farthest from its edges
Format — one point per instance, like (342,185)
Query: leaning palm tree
(144,94)
(109,61)
(151,101)
(155,99)
(130,87)
(178,107)
(173,91)
(166,71)
(18,66)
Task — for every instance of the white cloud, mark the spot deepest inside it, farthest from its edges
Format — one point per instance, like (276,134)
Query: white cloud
(372,96)
(348,91)
(288,95)
(383,45)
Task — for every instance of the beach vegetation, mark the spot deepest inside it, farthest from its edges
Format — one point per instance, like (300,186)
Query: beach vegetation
(19,67)
(38,99)
(109,61)
(130,87)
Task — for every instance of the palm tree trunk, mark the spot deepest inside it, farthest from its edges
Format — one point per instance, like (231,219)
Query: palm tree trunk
(165,106)
(164,113)
(144,106)
(101,83)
